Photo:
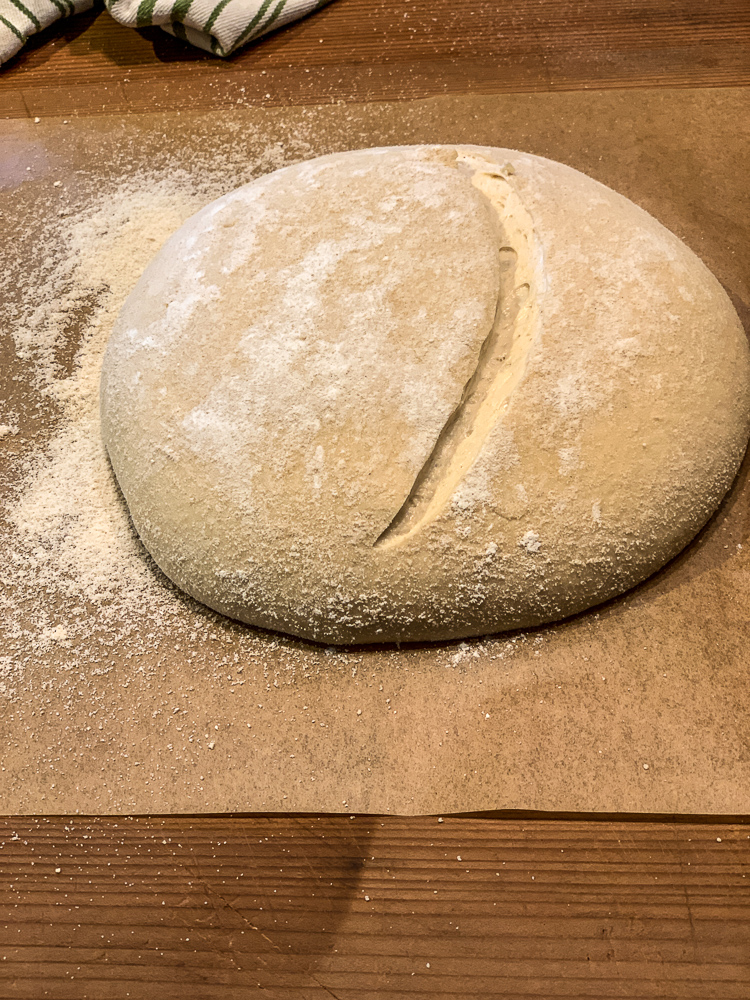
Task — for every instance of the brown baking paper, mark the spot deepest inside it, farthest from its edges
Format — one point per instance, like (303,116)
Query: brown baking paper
(147,702)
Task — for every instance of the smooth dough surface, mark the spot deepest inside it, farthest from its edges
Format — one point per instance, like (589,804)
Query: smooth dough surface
(422,393)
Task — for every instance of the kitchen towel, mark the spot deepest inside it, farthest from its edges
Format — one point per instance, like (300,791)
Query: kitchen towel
(218,26)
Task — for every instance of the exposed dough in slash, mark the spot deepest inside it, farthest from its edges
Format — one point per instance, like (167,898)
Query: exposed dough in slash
(502,357)
(420,393)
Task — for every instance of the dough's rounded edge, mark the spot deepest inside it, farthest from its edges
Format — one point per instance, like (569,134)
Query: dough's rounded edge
(549,595)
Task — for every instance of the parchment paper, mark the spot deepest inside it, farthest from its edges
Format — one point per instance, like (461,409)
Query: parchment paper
(638,705)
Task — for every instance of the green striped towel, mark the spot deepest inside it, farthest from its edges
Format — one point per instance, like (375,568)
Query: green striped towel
(219,26)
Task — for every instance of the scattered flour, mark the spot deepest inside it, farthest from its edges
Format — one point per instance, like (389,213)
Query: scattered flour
(72,532)
(531,542)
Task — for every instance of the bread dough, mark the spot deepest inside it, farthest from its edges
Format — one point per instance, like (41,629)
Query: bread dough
(422,393)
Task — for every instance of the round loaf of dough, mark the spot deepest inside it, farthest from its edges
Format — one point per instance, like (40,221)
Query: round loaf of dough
(422,393)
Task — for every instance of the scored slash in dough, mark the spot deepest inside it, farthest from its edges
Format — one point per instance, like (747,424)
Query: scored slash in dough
(422,393)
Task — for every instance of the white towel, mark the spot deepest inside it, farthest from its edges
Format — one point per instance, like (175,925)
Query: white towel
(219,26)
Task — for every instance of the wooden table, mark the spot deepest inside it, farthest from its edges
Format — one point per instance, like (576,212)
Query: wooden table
(331,907)
(339,907)
(367,50)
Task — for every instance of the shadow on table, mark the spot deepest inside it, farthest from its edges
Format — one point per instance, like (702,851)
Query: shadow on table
(266,896)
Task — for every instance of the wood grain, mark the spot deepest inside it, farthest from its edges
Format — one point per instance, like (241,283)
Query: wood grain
(372,50)
(332,907)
